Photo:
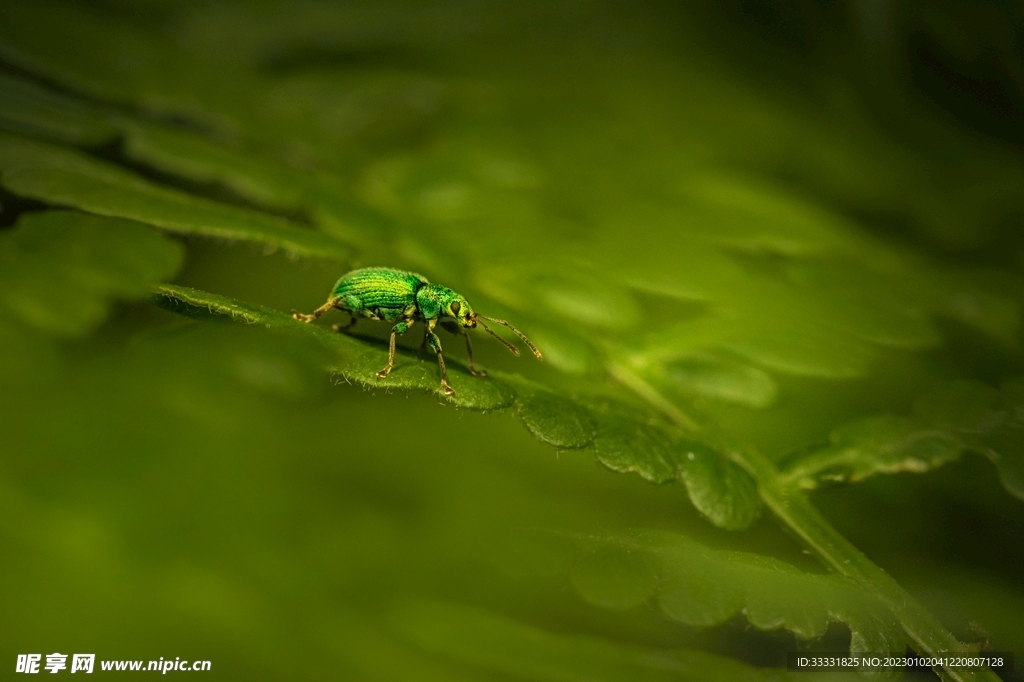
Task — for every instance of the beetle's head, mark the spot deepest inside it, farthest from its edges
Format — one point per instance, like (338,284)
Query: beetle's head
(460,309)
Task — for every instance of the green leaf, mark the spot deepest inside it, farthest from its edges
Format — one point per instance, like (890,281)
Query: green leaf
(876,445)
(60,274)
(621,439)
(698,586)
(719,489)
(729,382)
(553,419)
(61,270)
(630,445)
(159,81)
(956,417)
(611,578)
(986,420)
(234,174)
(63,177)
(32,110)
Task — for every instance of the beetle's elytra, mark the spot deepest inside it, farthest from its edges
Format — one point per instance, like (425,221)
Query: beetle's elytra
(404,297)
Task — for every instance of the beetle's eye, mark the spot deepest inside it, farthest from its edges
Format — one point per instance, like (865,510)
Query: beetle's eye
(456,307)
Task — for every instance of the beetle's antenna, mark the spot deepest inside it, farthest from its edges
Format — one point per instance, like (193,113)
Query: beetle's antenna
(515,351)
(516,332)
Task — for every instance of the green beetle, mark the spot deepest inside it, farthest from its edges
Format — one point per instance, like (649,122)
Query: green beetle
(404,297)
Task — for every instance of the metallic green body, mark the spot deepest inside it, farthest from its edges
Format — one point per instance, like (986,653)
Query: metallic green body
(392,295)
(403,298)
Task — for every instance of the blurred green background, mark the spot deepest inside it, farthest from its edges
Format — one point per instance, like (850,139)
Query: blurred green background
(747,222)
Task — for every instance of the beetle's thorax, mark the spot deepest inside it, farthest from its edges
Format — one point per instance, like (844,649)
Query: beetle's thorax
(431,300)
(434,300)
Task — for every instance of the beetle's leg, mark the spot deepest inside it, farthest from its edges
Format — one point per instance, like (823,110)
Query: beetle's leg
(316,313)
(399,328)
(453,328)
(469,353)
(435,345)
(423,346)
(352,319)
